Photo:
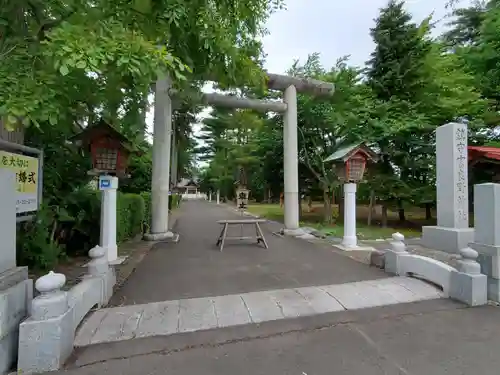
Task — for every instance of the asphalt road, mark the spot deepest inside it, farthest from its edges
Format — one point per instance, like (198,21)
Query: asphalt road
(425,338)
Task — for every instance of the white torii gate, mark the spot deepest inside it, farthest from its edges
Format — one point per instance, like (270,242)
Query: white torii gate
(162,137)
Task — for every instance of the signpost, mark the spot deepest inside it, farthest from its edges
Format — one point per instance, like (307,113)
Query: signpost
(27,164)
(26,170)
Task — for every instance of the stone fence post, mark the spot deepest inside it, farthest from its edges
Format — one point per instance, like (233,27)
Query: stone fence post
(394,254)
(487,234)
(467,284)
(46,338)
(99,267)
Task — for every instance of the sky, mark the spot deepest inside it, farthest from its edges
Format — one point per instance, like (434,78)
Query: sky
(333,28)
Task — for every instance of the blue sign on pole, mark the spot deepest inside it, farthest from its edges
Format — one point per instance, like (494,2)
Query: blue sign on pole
(105,184)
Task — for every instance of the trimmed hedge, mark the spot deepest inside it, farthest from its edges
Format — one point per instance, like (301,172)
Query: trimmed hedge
(130,210)
(73,228)
(146,222)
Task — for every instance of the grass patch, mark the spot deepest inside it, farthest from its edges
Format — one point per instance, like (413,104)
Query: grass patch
(363,232)
(314,220)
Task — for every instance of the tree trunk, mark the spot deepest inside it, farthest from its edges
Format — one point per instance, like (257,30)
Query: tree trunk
(371,208)
(340,201)
(428,211)
(384,215)
(327,207)
(309,203)
(401,211)
(174,158)
(300,206)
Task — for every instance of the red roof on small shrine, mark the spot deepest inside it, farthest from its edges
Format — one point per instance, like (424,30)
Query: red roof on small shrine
(487,152)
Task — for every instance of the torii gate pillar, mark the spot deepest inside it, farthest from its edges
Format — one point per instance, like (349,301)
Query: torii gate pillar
(160,181)
(290,162)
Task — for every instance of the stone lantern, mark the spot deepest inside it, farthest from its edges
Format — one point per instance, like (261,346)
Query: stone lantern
(350,164)
(110,151)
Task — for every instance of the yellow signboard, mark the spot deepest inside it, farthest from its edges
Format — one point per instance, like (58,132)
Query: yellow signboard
(26,170)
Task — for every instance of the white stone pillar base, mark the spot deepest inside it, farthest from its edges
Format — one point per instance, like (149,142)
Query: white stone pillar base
(291,209)
(159,236)
(108,218)
(350,239)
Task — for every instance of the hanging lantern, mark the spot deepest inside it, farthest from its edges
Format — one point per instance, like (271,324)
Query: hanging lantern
(350,162)
(109,149)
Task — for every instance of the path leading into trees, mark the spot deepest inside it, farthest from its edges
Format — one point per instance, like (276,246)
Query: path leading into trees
(296,308)
(195,268)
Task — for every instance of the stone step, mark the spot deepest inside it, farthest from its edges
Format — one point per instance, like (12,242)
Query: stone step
(188,315)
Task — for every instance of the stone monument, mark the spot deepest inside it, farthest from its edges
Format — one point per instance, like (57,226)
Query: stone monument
(16,290)
(452,232)
(487,234)
(242,192)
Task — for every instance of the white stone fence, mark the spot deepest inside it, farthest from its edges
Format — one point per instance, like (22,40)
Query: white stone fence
(465,284)
(46,337)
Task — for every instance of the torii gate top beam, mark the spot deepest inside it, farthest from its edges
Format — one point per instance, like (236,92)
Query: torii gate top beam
(311,86)
(302,85)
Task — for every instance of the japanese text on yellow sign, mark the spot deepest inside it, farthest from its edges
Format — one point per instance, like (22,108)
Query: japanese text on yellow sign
(26,169)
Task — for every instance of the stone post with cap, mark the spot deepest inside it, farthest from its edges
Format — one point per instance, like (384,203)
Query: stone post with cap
(50,326)
(395,253)
(46,338)
(99,268)
(487,234)
(467,284)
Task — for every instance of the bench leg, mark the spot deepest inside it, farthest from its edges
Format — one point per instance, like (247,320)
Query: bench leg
(219,239)
(224,232)
(261,235)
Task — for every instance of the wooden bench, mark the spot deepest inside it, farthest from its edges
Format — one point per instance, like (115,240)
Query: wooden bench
(226,223)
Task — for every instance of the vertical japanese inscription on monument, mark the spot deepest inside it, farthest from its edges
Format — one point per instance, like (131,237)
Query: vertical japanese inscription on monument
(461,196)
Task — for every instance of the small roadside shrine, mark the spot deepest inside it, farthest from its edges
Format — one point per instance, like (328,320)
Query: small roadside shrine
(187,186)
(350,164)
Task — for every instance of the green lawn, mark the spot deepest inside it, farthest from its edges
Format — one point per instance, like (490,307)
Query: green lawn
(313,219)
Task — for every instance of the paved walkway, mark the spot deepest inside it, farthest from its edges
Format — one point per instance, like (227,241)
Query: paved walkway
(194,267)
(298,308)
(187,315)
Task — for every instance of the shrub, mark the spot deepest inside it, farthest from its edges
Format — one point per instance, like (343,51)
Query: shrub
(73,227)
(35,243)
(129,216)
(146,223)
(174,201)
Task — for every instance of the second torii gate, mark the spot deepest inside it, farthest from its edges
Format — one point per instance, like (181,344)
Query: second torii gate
(162,136)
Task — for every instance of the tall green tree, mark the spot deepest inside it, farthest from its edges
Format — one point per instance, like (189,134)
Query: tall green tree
(395,74)
(421,85)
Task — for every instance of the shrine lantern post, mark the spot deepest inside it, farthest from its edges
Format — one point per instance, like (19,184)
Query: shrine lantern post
(110,152)
(350,164)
